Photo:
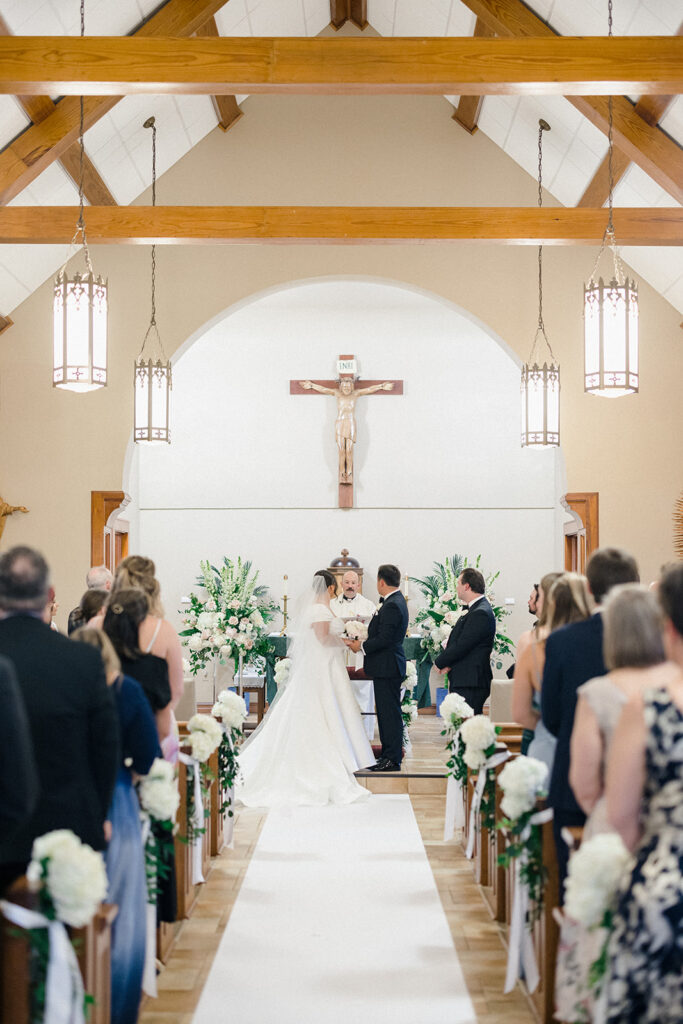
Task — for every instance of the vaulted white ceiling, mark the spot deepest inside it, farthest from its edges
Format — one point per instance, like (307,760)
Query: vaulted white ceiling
(119,147)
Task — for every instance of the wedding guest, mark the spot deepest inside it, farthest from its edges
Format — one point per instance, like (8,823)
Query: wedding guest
(18,774)
(92,607)
(573,655)
(125,612)
(97,578)
(644,798)
(125,860)
(50,613)
(528,669)
(157,635)
(467,655)
(70,711)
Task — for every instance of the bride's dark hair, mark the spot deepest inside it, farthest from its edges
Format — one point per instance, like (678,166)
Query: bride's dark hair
(330,581)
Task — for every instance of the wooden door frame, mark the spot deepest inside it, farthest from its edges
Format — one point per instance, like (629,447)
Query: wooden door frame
(105,509)
(582,534)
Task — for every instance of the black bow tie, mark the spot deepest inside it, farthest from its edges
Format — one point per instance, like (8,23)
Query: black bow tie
(381,600)
(465,607)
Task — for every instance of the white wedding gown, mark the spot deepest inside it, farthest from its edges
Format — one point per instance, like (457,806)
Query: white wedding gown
(312,740)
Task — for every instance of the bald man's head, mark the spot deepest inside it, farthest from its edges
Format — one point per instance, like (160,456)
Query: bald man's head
(350,584)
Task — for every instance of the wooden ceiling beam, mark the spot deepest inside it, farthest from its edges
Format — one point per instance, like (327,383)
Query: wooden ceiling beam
(469,107)
(336,225)
(227,108)
(551,65)
(41,144)
(645,144)
(5,323)
(38,108)
(355,11)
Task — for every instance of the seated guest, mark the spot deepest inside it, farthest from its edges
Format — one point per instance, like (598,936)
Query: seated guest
(568,602)
(125,612)
(573,655)
(157,635)
(527,671)
(18,775)
(98,578)
(644,798)
(125,856)
(70,711)
(633,649)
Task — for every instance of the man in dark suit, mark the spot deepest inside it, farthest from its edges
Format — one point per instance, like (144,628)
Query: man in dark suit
(467,655)
(18,775)
(70,710)
(573,655)
(385,664)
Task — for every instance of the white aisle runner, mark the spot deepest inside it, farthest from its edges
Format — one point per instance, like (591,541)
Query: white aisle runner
(338,921)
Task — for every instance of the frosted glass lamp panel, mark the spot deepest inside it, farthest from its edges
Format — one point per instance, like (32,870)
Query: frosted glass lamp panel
(100,307)
(58,336)
(160,385)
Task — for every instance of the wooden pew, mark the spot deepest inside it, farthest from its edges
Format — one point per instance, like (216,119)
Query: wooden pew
(496,893)
(216,801)
(93,949)
(546,931)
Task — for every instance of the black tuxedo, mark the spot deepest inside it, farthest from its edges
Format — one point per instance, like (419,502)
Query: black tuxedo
(385,664)
(467,655)
(573,655)
(74,726)
(18,776)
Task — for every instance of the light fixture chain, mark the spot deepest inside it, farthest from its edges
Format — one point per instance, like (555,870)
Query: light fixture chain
(154,203)
(80,226)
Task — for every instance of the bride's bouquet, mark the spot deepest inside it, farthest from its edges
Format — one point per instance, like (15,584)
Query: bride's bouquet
(356,630)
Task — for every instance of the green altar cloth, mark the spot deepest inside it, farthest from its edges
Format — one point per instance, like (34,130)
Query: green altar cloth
(411,646)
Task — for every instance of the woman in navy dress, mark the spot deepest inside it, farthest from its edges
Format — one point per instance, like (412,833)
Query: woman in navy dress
(125,858)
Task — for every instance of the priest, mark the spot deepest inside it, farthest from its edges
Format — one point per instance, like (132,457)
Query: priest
(350,605)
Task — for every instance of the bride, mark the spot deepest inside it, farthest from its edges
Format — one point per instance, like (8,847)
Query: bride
(312,739)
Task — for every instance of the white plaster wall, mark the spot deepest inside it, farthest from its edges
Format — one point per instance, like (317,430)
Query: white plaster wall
(252,469)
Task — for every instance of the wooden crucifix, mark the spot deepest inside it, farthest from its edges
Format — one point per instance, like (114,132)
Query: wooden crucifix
(346,389)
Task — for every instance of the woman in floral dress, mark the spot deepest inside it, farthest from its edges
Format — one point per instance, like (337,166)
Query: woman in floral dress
(645,805)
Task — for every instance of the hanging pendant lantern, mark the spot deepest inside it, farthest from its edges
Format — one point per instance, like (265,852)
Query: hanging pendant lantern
(152,379)
(610,311)
(540,388)
(80,306)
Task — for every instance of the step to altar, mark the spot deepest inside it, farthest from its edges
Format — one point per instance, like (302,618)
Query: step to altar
(403,782)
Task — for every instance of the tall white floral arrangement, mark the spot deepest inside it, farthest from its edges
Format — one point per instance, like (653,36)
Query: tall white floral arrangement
(231,620)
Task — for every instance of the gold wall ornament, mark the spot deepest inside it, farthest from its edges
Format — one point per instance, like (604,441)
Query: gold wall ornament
(678,527)
(6,511)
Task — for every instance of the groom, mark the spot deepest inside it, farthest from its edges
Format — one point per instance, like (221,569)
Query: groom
(385,664)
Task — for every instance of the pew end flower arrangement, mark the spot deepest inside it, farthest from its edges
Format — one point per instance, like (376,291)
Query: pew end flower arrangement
(231,710)
(159,800)
(70,880)
(231,622)
(408,702)
(204,736)
(479,736)
(454,712)
(523,782)
(443,609)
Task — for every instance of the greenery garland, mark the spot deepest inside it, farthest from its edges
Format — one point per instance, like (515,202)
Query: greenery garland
(532,871)
(228,767)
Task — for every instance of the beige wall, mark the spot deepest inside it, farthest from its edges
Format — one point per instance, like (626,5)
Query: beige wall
(57,446)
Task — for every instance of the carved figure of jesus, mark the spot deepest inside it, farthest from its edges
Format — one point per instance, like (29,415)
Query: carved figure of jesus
(345,424)
(8,510)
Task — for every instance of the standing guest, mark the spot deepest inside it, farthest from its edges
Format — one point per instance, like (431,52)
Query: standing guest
(644,798)
(125,859)
(70,711)
(467,656)
(97,578)
(157,635)
(532,604)
(528,669)
(125,612)
(18,775)
(573,655)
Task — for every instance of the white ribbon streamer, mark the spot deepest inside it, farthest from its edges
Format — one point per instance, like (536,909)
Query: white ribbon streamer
(455,807)
(228,820)
(64,985)
(492,762)
(197,818)
(521,953)
(149,973)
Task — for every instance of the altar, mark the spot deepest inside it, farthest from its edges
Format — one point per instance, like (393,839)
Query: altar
(411,646)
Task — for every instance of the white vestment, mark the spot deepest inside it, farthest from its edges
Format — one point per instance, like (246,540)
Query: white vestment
(359,609)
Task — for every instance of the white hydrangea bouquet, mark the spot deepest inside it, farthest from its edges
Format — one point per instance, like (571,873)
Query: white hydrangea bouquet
(159,800)
(283,667)
(443,609)
(204,737)
(231,710)
(479,736)
(523,782)
(356,630)
(594,877)
(232,620)
(454,711)
(71,882)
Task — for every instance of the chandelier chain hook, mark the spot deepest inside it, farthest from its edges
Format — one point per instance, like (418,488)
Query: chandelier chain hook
(543,126)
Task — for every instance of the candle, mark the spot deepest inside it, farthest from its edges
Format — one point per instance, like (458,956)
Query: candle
(285,585)
(406,589)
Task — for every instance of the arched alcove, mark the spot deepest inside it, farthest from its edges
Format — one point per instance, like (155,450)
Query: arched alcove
(252,469)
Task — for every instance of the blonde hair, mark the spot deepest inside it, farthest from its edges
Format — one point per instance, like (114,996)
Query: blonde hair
(633,628)
(97,638)
(137,573)
(545,586)
(569,600)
